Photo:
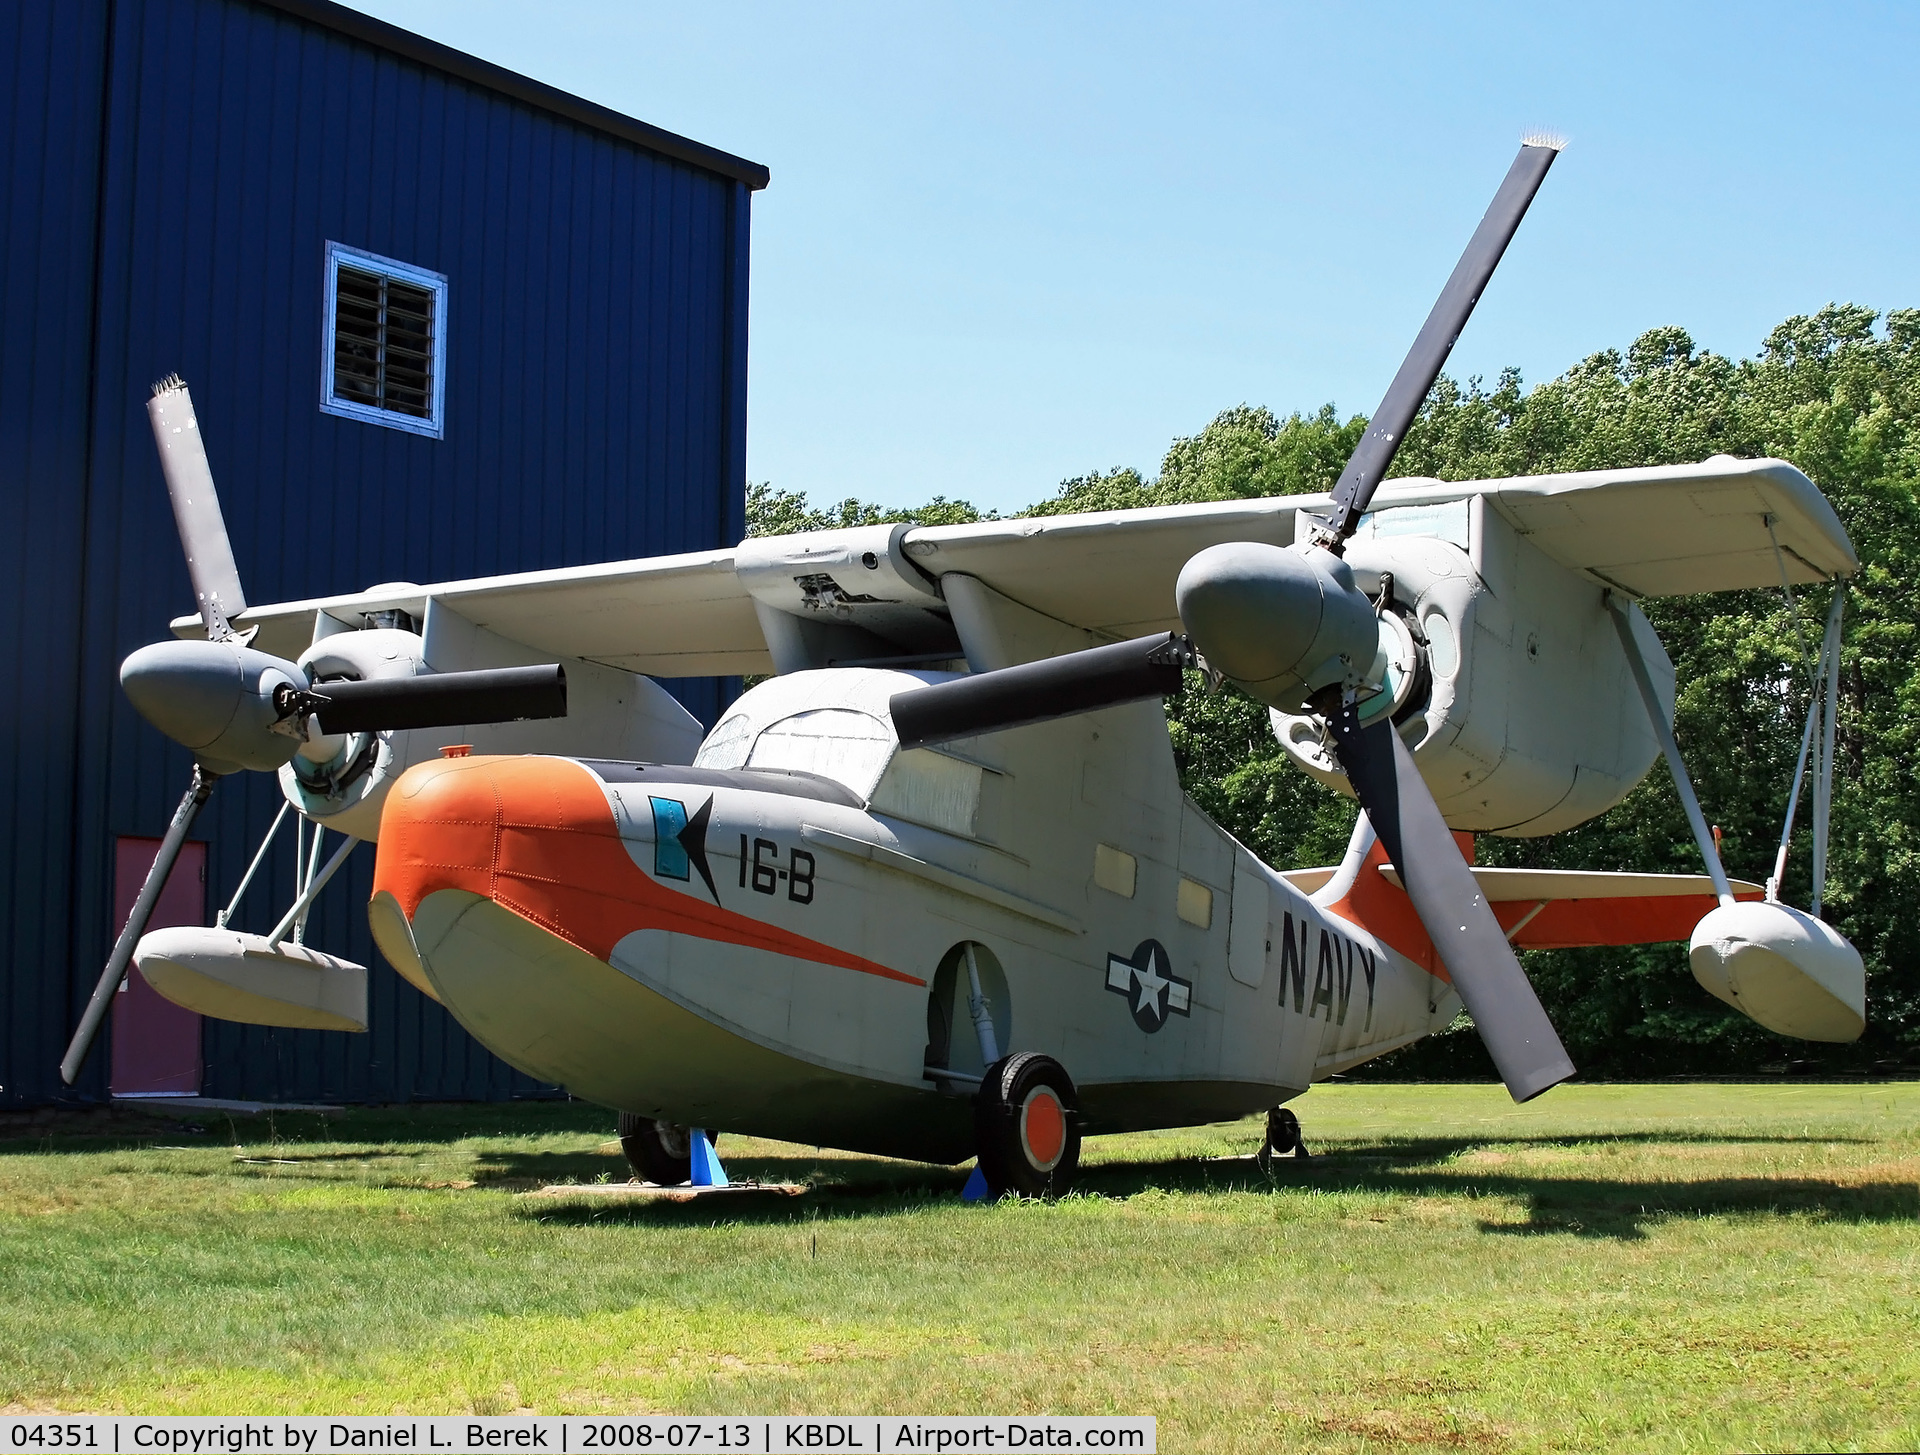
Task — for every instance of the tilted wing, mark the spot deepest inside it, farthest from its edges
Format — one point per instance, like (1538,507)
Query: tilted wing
(667,616)
(1557,909)
(1659,531)
(1668,530)
(1674,530)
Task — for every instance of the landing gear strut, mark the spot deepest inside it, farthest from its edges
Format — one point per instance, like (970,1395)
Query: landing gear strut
(1283,1137)
(657,1151)
(1027,1126)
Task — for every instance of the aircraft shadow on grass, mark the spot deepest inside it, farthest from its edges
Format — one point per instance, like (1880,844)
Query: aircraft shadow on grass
(841,1187)
(1580,1206)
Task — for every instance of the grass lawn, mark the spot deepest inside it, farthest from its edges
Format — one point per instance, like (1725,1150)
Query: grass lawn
(1675,1267)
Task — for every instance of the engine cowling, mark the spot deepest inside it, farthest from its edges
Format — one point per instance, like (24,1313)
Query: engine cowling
(1501,669)
(342,779)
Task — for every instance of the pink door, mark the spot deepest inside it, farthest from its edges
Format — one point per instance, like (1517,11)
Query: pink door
(156,1044)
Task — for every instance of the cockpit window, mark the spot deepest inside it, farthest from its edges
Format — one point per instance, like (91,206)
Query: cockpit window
(726,746)
(852,748)
(848,747)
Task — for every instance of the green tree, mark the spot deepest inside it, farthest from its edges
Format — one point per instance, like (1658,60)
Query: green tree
(775,512)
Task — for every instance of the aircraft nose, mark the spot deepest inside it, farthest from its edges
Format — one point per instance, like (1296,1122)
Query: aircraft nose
(534,835)
(504,889)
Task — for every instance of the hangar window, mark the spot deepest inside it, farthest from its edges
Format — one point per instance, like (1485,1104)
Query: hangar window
(384,350)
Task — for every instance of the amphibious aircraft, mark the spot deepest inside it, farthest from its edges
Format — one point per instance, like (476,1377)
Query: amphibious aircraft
(932,889)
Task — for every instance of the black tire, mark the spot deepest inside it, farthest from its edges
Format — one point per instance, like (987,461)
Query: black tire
(1026,1122)
(657,1151)
(1283,1136)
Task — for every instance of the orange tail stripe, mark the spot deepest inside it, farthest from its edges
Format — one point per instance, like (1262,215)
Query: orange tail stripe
(1376,905)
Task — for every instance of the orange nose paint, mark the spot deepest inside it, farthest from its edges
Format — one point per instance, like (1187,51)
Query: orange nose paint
(537,836)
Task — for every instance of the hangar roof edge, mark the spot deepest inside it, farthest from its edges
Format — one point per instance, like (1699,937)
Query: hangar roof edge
(406,43)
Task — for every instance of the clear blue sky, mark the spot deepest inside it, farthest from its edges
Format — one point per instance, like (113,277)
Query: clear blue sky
(1005,244)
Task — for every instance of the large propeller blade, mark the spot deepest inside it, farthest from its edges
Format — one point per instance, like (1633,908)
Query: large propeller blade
(136,924)
(1040,691)
(1367,466)
(441,699)
(236,708)
(196,507)
(1235,600)
(1457,918)
(1293,628)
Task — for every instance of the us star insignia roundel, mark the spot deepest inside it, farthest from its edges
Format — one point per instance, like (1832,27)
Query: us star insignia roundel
(1152,990)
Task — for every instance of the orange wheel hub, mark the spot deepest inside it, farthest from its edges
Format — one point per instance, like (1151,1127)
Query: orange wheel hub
(1043,1128)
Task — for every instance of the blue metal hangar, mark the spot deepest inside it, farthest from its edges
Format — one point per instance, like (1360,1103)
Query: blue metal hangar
(439,319)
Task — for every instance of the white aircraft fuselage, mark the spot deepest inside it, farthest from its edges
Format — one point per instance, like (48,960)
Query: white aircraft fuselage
(771,951)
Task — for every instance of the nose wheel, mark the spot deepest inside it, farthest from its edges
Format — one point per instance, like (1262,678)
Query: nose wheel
(1027,1126)
(658,1152)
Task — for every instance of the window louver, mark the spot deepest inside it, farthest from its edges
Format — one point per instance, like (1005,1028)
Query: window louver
(383,343)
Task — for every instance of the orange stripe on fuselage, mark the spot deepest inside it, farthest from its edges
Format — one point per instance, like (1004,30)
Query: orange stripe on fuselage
(537,836)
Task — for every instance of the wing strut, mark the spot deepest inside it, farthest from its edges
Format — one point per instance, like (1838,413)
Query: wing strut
(1621,611)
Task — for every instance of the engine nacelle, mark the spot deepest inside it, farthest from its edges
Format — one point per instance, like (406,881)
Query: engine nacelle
(1506,676)
(342,779)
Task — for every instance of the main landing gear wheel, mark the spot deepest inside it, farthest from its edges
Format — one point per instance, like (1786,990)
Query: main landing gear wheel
(1026,1121)
(1283,1136)
(658,1151)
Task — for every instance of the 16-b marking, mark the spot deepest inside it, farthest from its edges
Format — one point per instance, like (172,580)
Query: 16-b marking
(767,877)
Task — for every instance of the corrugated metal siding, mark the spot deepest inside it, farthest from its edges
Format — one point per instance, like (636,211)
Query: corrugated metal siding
(50,110)
(595,410)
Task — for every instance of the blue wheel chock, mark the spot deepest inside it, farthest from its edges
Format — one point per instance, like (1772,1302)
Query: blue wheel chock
(707,1171)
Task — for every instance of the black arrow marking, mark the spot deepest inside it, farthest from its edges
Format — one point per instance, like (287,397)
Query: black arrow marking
(693,838)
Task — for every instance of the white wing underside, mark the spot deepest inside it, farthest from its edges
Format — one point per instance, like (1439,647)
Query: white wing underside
(1662,531)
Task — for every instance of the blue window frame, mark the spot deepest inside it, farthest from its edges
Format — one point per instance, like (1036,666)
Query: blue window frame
(384,344)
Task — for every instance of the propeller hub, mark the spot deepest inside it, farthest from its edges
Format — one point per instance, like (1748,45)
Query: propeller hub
(216,699)
(1280,622)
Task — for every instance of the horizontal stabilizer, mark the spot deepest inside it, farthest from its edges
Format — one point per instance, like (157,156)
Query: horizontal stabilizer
(1541,909)
(1558,909)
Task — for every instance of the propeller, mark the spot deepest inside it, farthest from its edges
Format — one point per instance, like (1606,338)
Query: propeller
(136,925)
(1041,691)
(196,507)
(1293,629)
(237,709)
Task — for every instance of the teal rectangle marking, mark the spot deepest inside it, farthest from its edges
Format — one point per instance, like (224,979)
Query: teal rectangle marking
(669,854)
